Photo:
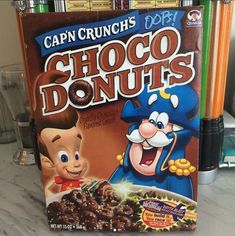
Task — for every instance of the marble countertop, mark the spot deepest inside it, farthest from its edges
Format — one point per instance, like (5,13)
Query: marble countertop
(23,212)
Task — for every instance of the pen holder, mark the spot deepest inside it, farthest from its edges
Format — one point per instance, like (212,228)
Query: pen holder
(14,91)
(35,144)
(211,142)
(7,133)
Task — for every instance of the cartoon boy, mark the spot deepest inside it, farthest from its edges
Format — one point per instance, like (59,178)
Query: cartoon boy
(59,140)
(63,154)
(163,123)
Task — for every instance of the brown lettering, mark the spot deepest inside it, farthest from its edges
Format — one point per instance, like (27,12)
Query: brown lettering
(132,50)
(49,98)
(157,70)
(177,67)
(124,81)
(80,63)
(118,60)
(51,65)
(156,44)
(107,88)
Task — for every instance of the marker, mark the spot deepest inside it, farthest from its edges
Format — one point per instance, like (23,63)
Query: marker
(42,6)
(51,6)
(208,14)
(221,69)
(30,6)
(186,3)
(213,58)
(212,126)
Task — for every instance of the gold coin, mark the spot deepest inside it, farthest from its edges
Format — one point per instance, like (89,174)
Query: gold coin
(119,157)
(183,161)
(173,169)
(171,162)
(186,172)
(180,165)
(192,169)
(179,172)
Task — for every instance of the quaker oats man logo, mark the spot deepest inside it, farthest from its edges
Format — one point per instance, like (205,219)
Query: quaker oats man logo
(194,15)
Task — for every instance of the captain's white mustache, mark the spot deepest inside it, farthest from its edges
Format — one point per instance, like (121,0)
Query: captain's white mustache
(158,140)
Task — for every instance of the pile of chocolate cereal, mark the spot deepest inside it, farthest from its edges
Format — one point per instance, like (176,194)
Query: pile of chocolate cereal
(102,211)
(97,211)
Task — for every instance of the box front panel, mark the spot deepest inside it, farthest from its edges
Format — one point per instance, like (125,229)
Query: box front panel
(115,100)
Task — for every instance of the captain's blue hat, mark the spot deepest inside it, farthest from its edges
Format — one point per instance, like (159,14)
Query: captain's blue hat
(179,102)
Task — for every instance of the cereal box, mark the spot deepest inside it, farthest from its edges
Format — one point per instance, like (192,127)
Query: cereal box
(115,99)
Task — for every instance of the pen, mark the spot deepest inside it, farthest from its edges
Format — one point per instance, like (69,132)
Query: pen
(212,127)
(42,6)
(30,6)
(186,3)
(231,12)
(214,54)
(221,70)
(208,14)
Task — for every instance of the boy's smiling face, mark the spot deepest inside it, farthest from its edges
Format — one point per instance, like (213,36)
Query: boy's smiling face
(63,147)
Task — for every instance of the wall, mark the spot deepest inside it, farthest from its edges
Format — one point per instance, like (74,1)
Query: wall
(10,51)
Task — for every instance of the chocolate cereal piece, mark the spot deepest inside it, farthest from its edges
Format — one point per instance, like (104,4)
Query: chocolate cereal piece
(54,209)
(124,210)
(85,87)
(90,204)
(134,205)
(68,219)
(77,197)
(105,212)
(113,199)
(121,223)
(68,207)
(89,219)
(139,227)
(104,225)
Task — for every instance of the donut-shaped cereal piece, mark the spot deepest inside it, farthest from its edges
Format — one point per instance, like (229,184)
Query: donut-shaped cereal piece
(83,86)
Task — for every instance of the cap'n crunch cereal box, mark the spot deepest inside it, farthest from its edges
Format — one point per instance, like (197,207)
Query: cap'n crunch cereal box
(115,96)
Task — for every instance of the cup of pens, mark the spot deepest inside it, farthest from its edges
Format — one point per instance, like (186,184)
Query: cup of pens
(217,26)
(13,89)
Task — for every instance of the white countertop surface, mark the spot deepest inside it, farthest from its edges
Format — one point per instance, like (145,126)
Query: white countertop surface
(23,211)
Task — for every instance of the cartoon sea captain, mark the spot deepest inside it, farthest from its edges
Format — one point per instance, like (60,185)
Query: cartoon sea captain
(163,123)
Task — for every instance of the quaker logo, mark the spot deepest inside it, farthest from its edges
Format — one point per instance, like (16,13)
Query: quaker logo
(194,18)
(156,206)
